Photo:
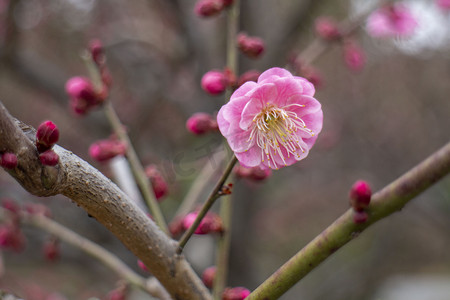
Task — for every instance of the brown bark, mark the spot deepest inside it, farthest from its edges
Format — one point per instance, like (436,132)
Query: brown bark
(102,199)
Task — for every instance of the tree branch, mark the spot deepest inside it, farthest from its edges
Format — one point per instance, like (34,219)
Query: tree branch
(390,199)
(91,190)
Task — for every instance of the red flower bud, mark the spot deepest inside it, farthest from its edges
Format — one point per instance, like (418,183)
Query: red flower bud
(96,49)
(227,3)
(256,173)
(159,185)
(49,158)
(253,47)
(208,276)
(47,135)
(327,28)
(104,150)
(236,293)
(360,195)
(201,123)
(83,96)
(51,250)
(208,8)
(214,82)
(354,56)
(8,160)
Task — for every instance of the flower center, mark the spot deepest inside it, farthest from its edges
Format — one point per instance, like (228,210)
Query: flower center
(276,129)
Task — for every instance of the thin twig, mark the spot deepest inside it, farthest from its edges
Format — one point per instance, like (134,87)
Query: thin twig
(138,171)
(226,205)
(209,202)
(390,199)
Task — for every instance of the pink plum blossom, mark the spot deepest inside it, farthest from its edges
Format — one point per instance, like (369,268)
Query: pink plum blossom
(390,21)
(443,4)
(271,123)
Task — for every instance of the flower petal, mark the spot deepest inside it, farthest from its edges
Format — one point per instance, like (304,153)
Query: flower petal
(243,89)
(251,109)
(308,87)
(274,72)
(309,105)
(250,158)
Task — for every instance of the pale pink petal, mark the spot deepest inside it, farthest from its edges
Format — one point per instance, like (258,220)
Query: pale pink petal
(239,141)
(233,109)
(286,88)
(243,89)
(266,92)
(314,121)
(223,124)
(251,109)
(308,87)
(250,158)
(309,105)
(274,72)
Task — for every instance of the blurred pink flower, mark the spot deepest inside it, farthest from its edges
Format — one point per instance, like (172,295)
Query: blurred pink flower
(354,56)
(391,20)
(271,123)
(443,4)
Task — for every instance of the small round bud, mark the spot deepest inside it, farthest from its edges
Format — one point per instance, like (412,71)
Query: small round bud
(81,88)
(159,185)
(236,293)
(104,150)
(208,276)
(51,250)
(49,158)
(251,75)
(47,135)
(354,56)
(8,160)
(252,47)
(360,217)
(96,49)
(360,195)
(176,226)
(327,28)
(214,82)
(208,8)
(201,123)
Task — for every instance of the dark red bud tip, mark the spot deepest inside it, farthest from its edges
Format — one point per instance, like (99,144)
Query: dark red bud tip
(236,293)
(226,189)
(51,250)
(49,158)
(96,50)
(360,217)
(8,160)
(47,135)
(360,195)
(159,184)
(208,276)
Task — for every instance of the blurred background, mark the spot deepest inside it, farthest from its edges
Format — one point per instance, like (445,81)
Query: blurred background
(378,123)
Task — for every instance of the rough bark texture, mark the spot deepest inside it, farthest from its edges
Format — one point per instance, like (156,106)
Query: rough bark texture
(102,199)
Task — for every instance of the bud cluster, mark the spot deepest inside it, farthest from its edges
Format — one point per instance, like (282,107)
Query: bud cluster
(360,195)
(47,136)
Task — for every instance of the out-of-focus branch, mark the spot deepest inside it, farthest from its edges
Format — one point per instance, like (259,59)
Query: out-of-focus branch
(107,258)
(390,199)
(91,190)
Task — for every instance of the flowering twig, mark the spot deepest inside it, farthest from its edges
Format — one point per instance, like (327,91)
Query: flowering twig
(93,249)
(141,179)
(102,199)
(390,199)
(209,202)
(226,208)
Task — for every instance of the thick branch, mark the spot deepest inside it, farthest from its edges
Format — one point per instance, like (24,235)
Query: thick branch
(85,185)
(390,199)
